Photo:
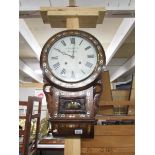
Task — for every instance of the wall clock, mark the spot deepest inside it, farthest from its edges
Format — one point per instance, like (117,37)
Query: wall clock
(72,62)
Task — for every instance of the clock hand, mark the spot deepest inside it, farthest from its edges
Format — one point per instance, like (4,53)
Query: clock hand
(59,50)
(67,54)
(63,52)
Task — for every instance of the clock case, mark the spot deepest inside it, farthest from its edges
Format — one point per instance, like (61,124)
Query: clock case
(72,106)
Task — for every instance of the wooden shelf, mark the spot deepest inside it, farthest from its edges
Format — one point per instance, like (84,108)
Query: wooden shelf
(110,140)
(22,117)
(122,103)
(112,130)
(117,118)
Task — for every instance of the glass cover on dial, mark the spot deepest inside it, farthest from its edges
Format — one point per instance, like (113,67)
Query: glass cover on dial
(72,58)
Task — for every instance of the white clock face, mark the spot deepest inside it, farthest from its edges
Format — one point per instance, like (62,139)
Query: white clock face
(72,58)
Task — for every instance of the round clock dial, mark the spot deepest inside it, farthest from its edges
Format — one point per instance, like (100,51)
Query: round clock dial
(72,58)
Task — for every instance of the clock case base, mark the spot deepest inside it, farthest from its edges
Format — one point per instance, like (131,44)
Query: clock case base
(68,126)
(73,128)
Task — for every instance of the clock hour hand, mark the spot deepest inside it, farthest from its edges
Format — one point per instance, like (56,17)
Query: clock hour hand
(63,52)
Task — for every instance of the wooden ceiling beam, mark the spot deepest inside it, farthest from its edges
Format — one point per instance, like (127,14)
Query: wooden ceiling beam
(57,16)
(108,14)
(115,9)
(122,33)
(123,69)
(29,37)
(27,70)
(31,85)
(72,2)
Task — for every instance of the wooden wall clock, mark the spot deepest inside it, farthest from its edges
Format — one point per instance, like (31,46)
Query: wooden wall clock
(72,62)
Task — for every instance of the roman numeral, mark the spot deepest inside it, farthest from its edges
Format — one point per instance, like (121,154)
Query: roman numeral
(90,56)
(63,42)
(63,71)
(72,40)
(87,47)
(88,64)
(73,74)
(54,58)
(81,42)
(56,65)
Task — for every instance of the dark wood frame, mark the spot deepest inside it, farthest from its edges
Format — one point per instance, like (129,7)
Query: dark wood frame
(71,85)
(26,149)
(90,88)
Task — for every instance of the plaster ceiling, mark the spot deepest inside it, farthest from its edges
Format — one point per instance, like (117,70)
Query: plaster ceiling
(128,48)
(25,50)
(24,78)
(103,32)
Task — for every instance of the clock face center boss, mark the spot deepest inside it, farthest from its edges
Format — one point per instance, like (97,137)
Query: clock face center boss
(72,63)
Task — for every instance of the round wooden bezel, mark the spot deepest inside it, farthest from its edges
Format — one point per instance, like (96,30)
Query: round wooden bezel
(47,72)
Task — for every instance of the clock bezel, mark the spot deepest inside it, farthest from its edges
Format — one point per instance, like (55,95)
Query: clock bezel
(84,82)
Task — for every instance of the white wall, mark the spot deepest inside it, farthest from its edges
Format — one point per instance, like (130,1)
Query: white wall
(25,92)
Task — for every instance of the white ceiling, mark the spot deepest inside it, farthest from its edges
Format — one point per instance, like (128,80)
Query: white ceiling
(24,49)
(104,32)
(109,4)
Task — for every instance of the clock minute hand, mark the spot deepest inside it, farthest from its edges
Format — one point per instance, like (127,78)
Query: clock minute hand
(59,50)
(67,54)
(63,52)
